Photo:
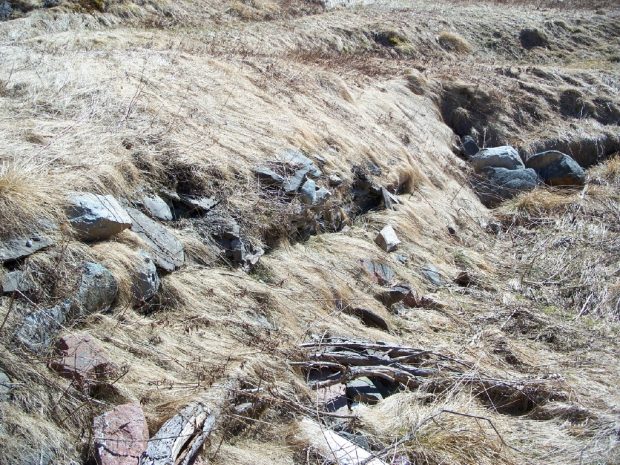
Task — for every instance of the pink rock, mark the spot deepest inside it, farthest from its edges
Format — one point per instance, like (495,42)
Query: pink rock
(120,435)
(81,359)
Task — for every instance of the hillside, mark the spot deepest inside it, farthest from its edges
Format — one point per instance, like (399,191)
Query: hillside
(282,232)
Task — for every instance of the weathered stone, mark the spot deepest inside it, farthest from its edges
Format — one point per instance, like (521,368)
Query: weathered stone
(5,10)
(293,183)
(363,390)
(17,281)
(432,274)
(334,180)
(498,184)
(165,248)
(389,200)
(557,169)
(198,204)
(394,294)
(146,281)
(387,239)
(296,159)
(96,293)
(322,195)
(5,387)
(97,290)
(379,272)
(368,317)
(157,207)
(470,147)
(120,435)
(96,217)
(307,194)
(268,177)
(39,328)
(20,247)
(532,37)
(497,157)
(81,359)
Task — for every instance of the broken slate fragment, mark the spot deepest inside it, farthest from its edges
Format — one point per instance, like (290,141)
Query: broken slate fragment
(322,195)
(387,239)
(268,177)
(146,282)
(394,294)
(198,204)
(14,249)
(389,200)
(334,180)
(81,359)
(379,272)
(166,249)
(308,192)
(293,183)
(96,217)
(332,398)
(120,435)
(432,274)
(297,159)
(17,281)
(157,207)
(364,391)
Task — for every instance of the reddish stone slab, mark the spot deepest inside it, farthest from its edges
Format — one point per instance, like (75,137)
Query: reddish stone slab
(81,359)
(121,435)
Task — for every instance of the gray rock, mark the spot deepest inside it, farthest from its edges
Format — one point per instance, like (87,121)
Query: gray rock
(387,239)
(497,157)
(363,390)
(96,217)
(307,194)
(17,281)
(379,272)
(268,177)
(389,200)
(157,207)
(96,293)
(532,37)
(293,183)
(198,204)
(470,147)
(146,282)
(334,180)
(322,195)
(38,329)
(498,184)
(5,387)
(394,294)
(557,169)
(296,159)
(165,248)
(432,274)
(15,249)
(227,233)
(5,10)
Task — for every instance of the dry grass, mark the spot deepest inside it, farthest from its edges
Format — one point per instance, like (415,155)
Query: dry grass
(453,42)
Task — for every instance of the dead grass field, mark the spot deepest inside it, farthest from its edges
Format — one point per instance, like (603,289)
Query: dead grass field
(195,95)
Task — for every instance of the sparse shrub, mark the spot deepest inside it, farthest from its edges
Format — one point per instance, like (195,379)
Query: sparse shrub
(390,38)
(452,42)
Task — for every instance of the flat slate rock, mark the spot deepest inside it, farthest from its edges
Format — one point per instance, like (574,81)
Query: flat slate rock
(165,248)
(296,159)
(268,177)
(363,391)
(17,281)
(120,435)
(96,217)
(432,275)
(21,247)
(379,272)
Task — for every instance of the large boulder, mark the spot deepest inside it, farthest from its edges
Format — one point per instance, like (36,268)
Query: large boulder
(166,250)
(495,185)
(96,293)
(120,435)
(81,359)
(557,169)
(497,157)
(20,247)
(96,217)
